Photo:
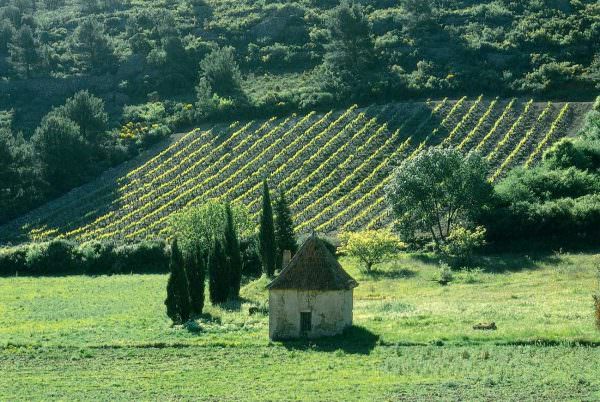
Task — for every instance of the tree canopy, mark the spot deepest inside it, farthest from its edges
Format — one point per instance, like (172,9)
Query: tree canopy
(437,190)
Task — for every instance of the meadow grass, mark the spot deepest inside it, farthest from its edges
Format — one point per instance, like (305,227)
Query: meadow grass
(108,338)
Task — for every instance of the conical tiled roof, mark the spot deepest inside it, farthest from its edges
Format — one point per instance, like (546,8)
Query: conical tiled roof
(313,268)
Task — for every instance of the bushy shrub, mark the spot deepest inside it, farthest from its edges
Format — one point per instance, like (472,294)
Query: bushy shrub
(63,257)
(146,257)
(97,257)
(584,155)
(53,258)
(461,243)
(13,261)
(370,246)
(445,274)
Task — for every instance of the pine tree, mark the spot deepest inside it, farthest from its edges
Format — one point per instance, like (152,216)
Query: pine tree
(232,246)
(196,274)
(24,53)
(178,297)
(266,235)
(284,229)
(218,269)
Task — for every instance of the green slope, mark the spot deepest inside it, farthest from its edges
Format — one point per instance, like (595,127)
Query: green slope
(333,166)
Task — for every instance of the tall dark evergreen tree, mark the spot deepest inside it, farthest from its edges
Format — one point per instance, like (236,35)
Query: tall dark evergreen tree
(92,45)
(196,273)
(218,269)
(24,53)
(266,236)
(232,246)
(178,296)
(284,229)
(63,155)
(87,111)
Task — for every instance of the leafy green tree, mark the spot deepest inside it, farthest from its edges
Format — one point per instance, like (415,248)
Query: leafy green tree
(24,55)
(8,175)
(437,190)
(87,111)
(284,229)
(195,268)
(221,72)
(7,31)
(63,154)
(370,246)
(178,296)
(20,184)
(266,236)
(218,269)
(350,44)
(198,226)
(91,45)
(232,248)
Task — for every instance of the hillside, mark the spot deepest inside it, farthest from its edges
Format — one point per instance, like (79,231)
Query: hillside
(333,166)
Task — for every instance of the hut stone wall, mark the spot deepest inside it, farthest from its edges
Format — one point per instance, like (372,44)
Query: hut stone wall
(331,312)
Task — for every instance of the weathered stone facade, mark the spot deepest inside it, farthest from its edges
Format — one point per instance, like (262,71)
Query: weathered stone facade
(312,297)
(331,312)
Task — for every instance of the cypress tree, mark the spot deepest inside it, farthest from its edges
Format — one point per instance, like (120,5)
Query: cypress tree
(196,274)
(232,246)
(267,245)
(178,297)
(218,269)
(284,229)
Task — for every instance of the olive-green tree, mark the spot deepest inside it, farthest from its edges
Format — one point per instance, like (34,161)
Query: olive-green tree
(437,190)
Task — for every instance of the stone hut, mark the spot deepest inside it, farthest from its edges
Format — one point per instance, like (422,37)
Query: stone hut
(312,296)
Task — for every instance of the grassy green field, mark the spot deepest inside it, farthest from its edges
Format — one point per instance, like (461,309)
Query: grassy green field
(109,338)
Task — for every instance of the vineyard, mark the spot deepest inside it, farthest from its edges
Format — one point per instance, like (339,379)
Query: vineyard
(334,166)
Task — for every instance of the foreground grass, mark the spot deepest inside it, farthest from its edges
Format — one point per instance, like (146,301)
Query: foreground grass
(108,338)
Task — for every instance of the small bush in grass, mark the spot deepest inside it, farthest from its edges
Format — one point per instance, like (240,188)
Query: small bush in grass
(461,243)
(445,274)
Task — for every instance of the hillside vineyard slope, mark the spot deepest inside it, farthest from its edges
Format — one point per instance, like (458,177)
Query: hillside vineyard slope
(333,166)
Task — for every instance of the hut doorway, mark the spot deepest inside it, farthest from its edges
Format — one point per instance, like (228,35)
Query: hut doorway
(305,322)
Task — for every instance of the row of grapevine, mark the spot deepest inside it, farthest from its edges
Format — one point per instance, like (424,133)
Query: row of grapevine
(160,223)
(521,143)
(333,166)
(549,135)
(473,133)
(510,132)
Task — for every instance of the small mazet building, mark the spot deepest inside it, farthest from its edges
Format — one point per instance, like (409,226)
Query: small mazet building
(312,296)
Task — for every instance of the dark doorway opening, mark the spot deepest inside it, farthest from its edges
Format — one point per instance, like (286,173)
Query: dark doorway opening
(305,321)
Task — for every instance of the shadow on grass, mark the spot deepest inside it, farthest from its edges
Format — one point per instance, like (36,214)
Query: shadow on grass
(234,304)
(500,263)
(400,273)
(355,340)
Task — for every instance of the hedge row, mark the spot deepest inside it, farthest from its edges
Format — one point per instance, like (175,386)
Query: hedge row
(63,257)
